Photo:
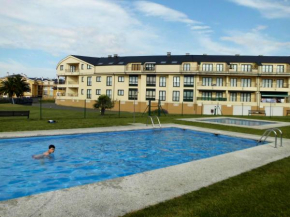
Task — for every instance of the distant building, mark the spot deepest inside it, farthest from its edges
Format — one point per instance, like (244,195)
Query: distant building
(194,84)
(40,87)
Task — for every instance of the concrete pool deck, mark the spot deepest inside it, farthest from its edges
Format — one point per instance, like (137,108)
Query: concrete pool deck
(119,196)
(273,124)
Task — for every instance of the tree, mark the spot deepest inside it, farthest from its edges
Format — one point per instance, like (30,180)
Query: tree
(15,84)
(104,102)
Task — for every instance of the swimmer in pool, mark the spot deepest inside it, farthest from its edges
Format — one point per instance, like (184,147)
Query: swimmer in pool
(51,149)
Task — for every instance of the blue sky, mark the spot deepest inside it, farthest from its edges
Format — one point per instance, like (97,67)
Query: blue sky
(37,34)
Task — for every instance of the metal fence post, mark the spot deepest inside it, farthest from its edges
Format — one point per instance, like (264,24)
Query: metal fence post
(119,108)
(149,109)
(40,108)
(85,109)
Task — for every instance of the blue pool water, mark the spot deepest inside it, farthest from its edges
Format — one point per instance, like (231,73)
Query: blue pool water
(87,158)
(238,121)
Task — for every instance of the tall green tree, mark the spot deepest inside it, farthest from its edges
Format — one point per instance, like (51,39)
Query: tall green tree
(21,85)
(104,102)
(15,84)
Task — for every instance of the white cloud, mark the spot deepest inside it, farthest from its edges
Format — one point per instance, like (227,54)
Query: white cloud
(268,8)
(15,67)
(255,42)
(199,27)
(161,11)
(89,27)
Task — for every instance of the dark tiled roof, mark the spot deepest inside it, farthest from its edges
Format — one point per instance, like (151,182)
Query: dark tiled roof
(178,59)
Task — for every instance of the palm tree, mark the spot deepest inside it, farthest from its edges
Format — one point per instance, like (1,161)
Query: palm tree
(7,86)
(15,84)
(104,102)
(21,85)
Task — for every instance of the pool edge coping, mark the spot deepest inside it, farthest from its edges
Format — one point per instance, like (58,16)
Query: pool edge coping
(146,188)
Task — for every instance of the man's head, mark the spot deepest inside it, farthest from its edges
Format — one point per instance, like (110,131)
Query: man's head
(51,149)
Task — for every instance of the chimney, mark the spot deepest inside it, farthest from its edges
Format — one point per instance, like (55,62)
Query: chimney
(116,55)
(168,54)
(109,56)
(187,54)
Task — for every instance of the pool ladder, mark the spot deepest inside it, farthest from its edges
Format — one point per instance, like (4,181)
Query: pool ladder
(152,121)
(268,132)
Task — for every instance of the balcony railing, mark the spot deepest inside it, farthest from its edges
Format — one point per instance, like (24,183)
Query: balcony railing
(211,99)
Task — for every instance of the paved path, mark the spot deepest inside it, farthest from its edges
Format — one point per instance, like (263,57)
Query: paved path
(54,106)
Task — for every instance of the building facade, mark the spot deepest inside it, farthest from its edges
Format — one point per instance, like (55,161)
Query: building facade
(188,84)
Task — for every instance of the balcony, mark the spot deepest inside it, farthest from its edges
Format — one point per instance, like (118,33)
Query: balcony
(212,86)
(211,99)
(69,72)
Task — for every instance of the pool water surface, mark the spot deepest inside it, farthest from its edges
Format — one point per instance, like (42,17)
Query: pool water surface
(87,158)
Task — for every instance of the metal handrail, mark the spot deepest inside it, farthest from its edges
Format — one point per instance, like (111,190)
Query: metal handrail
(158,121)
(149,117)
(268,132)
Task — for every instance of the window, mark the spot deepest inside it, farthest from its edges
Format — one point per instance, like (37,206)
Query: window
(120,92)
(245,97)
(111,63)
(233,82)
(89,93)
(162,95)
(219,82)
(188,81)
(61,67)
(82,91)
(149,66)
(98,79)
(121,79)
(206,81)
(206,95)
(280,69)
(133,80)
(280,83)
(109,93)
(233,97)
(176,81)
(174,62)
(150,94)
(98,91)
(82,79)
(162,81)
(120,63)
(207,67)
(267,68)
(219,67)
(246,68)
(133,94)
(186,67)
(89,66)
(82,66)
(89,81)
(188,96)
(175,96)
(267,83)
(163,62)
(109,80)
(136,67)
(151,80)
(246,82)
(72,68)
(219,95)
(234,67)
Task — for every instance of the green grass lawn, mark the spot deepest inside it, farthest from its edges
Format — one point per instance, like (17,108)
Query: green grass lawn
(262,192)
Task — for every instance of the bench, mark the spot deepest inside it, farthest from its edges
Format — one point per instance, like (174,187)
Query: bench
(14,113)
(257,112)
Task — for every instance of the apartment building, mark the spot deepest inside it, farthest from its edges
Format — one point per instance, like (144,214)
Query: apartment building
(189,84)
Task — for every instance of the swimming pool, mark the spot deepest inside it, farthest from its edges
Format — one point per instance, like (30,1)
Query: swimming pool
(87,158)
(237,121)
